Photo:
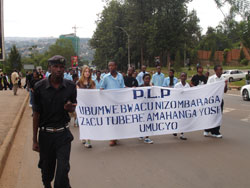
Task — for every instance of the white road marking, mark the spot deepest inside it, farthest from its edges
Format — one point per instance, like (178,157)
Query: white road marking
(246,119)
(233,95)
(227,110)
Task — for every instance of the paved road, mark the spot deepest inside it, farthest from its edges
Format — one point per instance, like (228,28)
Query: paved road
(9,107)
(170,162)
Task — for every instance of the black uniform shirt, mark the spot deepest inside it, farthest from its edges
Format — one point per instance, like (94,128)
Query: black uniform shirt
(130,82)
(49,102)
(199,80)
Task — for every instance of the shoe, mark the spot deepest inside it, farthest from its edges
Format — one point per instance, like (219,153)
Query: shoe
(112,143)
(88,145)
(148,141)
(83,141)
(217,135)
(182,137)
(141,138)
(175,134)
(206,134)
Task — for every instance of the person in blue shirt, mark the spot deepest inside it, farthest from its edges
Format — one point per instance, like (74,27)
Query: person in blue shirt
(112,80)
(93,74)
(158,77)
(47,73)
(141,74)
(98,80)
(171,80)
(67,75)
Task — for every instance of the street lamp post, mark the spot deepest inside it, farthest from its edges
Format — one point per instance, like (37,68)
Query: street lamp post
(128,43)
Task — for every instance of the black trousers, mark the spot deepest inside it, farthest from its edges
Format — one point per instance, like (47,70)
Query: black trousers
(6,85)
(54,157)
(216,130)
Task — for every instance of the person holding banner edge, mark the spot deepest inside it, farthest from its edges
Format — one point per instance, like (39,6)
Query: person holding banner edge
(112,80)
(215,132)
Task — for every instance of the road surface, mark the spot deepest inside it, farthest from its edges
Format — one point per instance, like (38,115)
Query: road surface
(169,162)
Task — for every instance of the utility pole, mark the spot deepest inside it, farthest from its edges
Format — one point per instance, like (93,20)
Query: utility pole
(77,45)
(129,64)
(75,29)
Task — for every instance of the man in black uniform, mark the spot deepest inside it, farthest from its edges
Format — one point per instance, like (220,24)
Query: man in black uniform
(54,97)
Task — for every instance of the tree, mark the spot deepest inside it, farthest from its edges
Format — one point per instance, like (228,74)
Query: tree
(215,40)
(245,33)
(240,7)
(169,27)
(108,40)
(155,27)
(63,47)
(14,59)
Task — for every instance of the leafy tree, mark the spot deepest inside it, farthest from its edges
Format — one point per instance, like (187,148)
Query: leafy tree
(242,55)
(63,47)
(108,40)
(240,7)
(215,40)
(177,62)
(14,59)
(155,27)
(245,33)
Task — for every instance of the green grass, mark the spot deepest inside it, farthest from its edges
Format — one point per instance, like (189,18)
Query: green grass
(238,83)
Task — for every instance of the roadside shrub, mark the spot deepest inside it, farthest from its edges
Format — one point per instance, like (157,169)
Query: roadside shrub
(225,54)
(244,62)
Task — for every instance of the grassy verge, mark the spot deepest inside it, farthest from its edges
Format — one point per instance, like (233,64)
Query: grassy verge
(238,83)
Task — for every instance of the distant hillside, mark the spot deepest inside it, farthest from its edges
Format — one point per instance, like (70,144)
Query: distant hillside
(23,44)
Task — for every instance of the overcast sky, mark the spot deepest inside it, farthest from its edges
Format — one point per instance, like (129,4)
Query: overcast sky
(51,18)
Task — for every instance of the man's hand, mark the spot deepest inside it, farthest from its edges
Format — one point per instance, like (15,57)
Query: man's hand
(35,147)
(70,107)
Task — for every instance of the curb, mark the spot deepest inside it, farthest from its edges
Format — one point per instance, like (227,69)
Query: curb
(7,143)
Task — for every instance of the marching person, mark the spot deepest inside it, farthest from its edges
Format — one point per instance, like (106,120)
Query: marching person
(158,77)
(129,80)
(1,78)
(112,80)
(182,84)
(54,98)
(171,80)
(6,82)
(75,78)
(34,79)
(14,80)
(98,80)
(85,82)
(248,78)
(199,78)
(141,74)
(146,83)
(215,132)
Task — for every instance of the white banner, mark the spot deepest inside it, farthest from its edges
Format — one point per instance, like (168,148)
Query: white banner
(147,111)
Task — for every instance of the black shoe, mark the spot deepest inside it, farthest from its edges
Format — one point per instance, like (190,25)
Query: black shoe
(183,138)
(175,134)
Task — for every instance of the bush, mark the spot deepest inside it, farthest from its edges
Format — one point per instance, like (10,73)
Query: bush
(225,54)
(244,62)
(242,55)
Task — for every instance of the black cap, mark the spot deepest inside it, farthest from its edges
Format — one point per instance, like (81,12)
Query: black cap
(57,59)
